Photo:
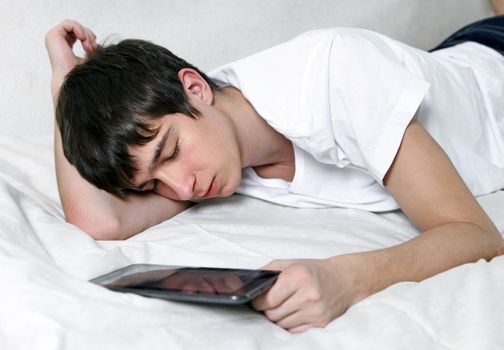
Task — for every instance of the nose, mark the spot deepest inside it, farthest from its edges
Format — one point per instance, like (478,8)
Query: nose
(176,186)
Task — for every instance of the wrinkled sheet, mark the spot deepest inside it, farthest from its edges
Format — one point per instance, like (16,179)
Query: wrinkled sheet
(47,303)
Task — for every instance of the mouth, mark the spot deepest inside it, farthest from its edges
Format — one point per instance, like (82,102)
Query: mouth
(212,188)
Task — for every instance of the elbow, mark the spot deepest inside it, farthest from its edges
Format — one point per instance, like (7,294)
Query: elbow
(105,229)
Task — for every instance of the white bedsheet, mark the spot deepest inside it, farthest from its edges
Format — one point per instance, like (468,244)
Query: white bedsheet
(47,303)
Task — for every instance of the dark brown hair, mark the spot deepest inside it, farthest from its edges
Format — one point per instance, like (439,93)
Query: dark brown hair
(109,103)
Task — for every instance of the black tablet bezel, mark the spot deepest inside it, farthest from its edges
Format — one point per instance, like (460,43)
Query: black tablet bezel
(252,289)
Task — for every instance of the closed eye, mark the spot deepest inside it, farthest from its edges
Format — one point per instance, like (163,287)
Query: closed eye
(175,152)
(172,157)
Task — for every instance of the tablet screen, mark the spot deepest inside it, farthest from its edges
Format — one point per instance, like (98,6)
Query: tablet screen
(189,283)
(192,280)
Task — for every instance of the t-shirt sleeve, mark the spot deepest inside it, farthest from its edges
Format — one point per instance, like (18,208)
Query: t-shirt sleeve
(373,98)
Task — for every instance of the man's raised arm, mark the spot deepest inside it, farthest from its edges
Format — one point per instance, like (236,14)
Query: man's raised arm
(102,215)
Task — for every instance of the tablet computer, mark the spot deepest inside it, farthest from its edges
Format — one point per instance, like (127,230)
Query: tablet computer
(189,284)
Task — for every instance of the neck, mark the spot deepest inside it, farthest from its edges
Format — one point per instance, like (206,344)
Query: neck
(259,143)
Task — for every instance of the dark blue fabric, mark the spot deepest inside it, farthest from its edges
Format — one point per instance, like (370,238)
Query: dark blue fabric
(488,32)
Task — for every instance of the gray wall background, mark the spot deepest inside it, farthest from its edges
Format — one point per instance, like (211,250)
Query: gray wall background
(205,32)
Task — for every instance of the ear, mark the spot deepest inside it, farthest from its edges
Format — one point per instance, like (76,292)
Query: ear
(195,86)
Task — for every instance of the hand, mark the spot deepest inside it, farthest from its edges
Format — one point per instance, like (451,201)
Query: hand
(60,41)
(309,293)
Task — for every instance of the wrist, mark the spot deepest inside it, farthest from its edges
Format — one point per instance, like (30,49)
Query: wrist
(56,82)
(358,273)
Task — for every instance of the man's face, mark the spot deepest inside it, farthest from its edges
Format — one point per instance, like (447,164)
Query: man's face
(190,159)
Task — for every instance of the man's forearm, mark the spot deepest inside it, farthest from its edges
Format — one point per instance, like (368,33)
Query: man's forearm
(100,214)
(84,205)
(430,253)
(56,82)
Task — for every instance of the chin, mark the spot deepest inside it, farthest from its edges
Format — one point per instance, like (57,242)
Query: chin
(228,190)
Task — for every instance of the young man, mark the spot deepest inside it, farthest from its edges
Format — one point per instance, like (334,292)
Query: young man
(340,117)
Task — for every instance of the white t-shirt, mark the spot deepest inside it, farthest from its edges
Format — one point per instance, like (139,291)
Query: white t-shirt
(344,97)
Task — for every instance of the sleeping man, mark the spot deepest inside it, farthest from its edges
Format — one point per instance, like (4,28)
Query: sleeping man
(333,118)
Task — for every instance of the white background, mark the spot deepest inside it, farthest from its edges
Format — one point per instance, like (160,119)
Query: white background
(207,33)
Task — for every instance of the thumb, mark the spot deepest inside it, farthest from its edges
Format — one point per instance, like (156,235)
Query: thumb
(278,265)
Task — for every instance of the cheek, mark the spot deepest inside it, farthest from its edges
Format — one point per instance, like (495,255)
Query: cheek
(217,139)
(196,156)
(207,149)
(165,191)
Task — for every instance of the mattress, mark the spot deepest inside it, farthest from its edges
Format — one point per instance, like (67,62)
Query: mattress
(46,301)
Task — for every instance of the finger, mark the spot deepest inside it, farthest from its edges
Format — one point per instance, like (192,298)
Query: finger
(88,47)
(312,316)
(73,27)
(91,38)
(92,33)
(287,308)
(295,303)
(301,329)
(295,321)
(88,43)
(283,289)
(278,265)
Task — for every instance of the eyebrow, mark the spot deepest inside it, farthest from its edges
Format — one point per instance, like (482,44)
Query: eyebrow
(157,154)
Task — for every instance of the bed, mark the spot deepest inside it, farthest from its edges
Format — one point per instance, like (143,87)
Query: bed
(46,301)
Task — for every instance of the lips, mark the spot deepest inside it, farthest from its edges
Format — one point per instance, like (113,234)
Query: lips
(212,189)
